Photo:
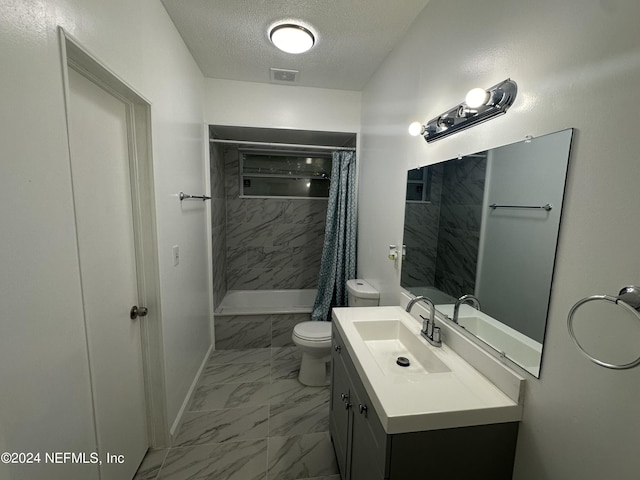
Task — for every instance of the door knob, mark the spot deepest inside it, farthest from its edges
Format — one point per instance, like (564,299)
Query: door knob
(138,312)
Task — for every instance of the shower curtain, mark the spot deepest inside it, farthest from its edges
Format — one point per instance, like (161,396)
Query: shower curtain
(338,262)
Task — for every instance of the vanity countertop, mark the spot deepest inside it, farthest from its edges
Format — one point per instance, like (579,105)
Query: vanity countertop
(409,401)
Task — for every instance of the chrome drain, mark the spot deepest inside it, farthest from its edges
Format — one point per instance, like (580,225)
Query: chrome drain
(403,361)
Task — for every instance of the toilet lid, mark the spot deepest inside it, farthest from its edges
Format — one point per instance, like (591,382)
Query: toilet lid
(313,331)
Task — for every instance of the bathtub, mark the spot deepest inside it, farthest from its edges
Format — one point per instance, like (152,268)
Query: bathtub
(266,302)
(247,319)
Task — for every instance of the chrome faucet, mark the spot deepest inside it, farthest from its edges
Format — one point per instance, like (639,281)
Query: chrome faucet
(415,300)
(429,331)
(470,299)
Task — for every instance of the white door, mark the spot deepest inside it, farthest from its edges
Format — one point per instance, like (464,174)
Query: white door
(99,143)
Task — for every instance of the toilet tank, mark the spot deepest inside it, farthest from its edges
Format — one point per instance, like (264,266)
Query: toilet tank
(361,294)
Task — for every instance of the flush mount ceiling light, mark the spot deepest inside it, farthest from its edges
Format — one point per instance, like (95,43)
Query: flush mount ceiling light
(292,38)
(479,106)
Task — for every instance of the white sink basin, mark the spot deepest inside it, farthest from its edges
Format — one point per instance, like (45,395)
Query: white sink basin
(387,340)
(438,390)
(509,342)
(481,329)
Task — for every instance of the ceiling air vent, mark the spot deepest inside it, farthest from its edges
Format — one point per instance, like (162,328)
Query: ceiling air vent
(280,75)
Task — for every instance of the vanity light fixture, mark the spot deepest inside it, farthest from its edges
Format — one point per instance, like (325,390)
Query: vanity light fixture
(292,37)
(479,106)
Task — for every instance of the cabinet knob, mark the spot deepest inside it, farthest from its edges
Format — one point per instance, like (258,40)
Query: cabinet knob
(337,348)
(344,396)
(362,408)
(347,406)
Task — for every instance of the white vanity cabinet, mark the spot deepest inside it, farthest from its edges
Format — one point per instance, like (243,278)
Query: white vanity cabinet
(364,450)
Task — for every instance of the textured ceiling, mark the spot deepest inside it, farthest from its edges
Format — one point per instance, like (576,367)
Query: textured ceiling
(229,38)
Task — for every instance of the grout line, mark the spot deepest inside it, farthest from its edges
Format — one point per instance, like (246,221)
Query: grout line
(162,464)
(271,365)
(266,463)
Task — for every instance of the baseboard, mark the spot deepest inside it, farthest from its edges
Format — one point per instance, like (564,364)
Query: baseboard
(175,427)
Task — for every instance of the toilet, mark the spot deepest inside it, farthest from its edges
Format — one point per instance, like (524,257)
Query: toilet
(361,294)
(314,338)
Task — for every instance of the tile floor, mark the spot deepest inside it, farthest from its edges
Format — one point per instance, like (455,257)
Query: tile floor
(250,418)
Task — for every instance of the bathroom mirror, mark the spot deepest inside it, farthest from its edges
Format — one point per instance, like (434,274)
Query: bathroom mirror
(487,224)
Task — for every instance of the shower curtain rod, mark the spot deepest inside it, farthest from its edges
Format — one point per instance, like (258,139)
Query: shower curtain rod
(270,144)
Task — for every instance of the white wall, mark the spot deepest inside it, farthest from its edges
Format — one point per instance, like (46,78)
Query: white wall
(248,104)
(45,399)
(577,64)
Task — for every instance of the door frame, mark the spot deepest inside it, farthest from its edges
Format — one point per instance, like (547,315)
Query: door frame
(75,56)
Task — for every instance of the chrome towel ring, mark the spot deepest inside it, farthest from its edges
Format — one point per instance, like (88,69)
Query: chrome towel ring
(629,299)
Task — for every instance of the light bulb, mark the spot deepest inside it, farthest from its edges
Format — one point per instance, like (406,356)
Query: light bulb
(416,129)
(476,97)
(292,38)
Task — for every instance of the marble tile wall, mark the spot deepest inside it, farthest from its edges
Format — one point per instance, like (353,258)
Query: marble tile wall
(256,331)
(218,224)
(459,227)
(270,243)
(421,227)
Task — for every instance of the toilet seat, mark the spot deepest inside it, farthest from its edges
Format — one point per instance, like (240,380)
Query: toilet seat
(313,331)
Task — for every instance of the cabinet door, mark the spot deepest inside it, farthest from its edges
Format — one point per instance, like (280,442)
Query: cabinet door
(368,438)
(368,444)
(340,408)
(363,462)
